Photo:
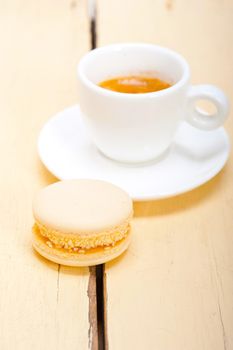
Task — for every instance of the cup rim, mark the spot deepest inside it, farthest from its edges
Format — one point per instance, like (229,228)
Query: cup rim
(98,89)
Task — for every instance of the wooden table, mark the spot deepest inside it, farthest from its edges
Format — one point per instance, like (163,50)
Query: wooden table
(173,289)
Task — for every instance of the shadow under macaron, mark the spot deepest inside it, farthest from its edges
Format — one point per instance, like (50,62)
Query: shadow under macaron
(66,270)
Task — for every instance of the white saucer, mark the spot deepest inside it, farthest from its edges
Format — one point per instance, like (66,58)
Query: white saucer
(195,157)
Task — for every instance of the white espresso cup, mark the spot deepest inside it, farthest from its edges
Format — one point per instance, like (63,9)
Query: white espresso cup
(140,127)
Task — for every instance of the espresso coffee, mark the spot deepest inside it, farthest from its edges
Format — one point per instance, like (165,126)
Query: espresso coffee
(134,84)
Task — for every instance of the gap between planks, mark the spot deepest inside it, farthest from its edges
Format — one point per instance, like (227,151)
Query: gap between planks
(97,305)
(96,285)
(93,337)
(95,292)
(97,309)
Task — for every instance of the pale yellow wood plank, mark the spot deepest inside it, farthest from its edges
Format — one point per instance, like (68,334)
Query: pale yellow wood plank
(173,289)
(40,43)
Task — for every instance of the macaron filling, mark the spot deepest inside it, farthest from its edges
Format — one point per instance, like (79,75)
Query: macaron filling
(81,244)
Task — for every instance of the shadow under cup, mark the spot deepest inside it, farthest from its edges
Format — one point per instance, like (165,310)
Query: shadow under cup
(132,128)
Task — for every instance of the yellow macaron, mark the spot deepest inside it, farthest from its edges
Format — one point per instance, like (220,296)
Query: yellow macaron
(81,222)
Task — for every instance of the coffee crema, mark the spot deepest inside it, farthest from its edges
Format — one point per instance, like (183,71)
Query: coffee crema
(134,84)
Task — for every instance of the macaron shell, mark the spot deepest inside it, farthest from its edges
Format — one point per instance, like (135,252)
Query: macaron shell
(82,206)
(88,259)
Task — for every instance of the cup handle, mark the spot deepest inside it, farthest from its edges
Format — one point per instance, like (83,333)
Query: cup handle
(200,119)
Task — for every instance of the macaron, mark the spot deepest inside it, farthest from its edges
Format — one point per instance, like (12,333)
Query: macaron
(81,222)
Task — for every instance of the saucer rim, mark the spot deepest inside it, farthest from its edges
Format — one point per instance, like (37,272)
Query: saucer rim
(165,195)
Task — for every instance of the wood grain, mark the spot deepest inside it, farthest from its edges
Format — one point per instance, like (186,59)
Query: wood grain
(42,305)
(173,289)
